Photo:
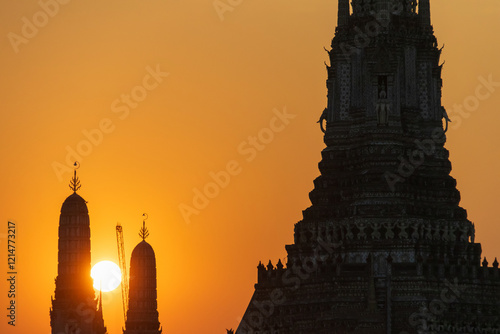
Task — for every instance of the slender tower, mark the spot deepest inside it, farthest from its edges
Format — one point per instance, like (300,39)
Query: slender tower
(385,246)
(75,309)
(142,314)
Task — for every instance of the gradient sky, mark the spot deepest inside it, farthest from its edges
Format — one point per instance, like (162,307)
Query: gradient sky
(225,79)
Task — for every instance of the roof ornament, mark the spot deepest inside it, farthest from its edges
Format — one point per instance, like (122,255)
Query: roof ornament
(144,233)
(74,184)
(323,117)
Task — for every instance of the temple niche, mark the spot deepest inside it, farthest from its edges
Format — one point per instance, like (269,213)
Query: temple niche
(385,246)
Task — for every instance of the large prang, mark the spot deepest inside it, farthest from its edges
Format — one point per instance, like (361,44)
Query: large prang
(385,246)
(75,309)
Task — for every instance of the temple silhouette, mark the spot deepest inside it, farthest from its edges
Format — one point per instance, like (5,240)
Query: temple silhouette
(142,314)
(385,246)
(75,309)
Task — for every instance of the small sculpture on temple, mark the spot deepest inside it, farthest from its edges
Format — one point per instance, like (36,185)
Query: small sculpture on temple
(323,118)
(446,118)
(389,234)
(383,105)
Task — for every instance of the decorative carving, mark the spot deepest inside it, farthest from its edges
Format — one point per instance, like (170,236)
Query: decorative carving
(349,234)
(423,90)
(361,226)
(345,90)
(323,118)
(415,227)
(389,234)
(446,118)
(384,101)
(402,233)
(383,105)
(452,236)
(445,233)
(464,235)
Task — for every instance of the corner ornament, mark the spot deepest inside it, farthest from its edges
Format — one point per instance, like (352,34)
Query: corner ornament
(446,118)
(322,120)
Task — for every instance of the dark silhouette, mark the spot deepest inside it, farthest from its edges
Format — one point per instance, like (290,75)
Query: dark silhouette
(142,314)
(385,246)
(74,307)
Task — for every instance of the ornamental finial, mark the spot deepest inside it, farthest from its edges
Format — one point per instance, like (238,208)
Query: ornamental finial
(144,233)
(74,184)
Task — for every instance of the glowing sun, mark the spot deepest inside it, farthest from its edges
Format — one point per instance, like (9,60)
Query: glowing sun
(107,276)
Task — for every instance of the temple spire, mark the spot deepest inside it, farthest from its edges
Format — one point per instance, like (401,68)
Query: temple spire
(74,184)
(73,285)
(144,233)
(142,313)
(343,14)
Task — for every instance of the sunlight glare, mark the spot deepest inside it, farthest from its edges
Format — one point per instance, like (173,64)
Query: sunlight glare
(107,276)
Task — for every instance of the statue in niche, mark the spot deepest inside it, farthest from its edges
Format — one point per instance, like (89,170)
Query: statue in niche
(382,106)
(361,226)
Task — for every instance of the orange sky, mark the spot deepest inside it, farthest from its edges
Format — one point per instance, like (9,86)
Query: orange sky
(225,79)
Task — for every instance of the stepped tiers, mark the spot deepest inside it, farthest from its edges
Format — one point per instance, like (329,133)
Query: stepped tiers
(385,246)
(74,307)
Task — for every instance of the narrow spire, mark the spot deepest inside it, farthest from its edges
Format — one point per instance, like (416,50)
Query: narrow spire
(74,184)
(144,233)
(424,12)
(343,14)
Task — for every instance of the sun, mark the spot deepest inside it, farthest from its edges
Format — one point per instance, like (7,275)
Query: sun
(107,276)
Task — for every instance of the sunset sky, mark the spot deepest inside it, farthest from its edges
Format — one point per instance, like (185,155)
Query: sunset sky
(176,92)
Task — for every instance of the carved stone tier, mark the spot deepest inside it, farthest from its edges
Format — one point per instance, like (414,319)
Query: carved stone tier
(385,246)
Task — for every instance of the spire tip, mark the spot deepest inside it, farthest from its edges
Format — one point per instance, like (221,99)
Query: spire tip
(74,184)
(144,233)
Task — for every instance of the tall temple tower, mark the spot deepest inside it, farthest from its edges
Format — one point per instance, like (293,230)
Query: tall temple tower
(142,314)
(74,308)
(385,246)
